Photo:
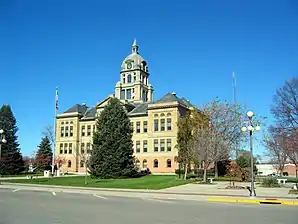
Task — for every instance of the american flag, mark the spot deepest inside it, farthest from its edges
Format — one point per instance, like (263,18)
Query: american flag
(57,99)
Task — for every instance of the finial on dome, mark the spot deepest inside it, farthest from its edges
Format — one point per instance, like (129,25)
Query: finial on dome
(135,47)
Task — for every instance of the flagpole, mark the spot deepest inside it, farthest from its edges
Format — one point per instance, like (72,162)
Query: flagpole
(54,137)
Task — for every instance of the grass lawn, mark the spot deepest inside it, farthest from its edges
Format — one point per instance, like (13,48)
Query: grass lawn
(154,182)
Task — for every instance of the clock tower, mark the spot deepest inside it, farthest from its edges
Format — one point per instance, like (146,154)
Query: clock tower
(134,78)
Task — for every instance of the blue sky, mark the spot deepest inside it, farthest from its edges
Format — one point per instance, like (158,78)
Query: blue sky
(192,48)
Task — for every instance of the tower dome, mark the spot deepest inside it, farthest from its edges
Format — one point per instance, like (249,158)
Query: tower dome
(134,60)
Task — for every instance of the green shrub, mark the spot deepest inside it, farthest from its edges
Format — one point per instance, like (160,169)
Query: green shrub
(270,182)
(292,191)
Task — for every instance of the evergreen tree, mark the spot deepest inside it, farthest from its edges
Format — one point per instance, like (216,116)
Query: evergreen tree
(44,155)
(112,154)
(11,161)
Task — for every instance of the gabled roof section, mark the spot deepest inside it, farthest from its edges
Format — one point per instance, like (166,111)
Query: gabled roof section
(140,109)
(90,113)
(78,108)
(172,97)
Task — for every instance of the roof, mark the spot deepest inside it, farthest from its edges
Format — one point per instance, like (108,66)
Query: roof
(77,108)
(90,113)
(171,97)
(140,109)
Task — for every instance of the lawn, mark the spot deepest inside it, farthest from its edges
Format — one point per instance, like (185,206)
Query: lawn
(154,182)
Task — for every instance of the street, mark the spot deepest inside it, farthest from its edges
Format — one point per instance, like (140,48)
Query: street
(20,206)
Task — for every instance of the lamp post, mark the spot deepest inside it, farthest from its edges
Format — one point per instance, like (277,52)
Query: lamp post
(251,128)
(2,139)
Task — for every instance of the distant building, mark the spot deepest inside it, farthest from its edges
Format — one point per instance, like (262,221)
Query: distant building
(154,122)
(270,168)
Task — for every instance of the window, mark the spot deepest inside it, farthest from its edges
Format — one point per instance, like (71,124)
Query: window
(134,78)
(162,124)
(169,145)
(69,164)
(145,164)
(61,148)
(82,148)
(70,148)
(88,130)
(83,130)
(123,79)
(169,163)
(82,164)
(66,131)
(162,145)
(122,94)
(65,148)
(71,131)
(138,129)
(131,123)
(138,146)
(155,145)
(129,78)
(169,124)
(128,94)
(62,131)
(145,126)
(88,148)
(155,124)
(155,163)
(145,146)
(138,164)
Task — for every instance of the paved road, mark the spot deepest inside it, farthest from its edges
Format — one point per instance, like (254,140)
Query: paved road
(29,207)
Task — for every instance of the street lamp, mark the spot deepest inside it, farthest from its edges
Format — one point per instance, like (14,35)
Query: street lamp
(251,128)
(2,139)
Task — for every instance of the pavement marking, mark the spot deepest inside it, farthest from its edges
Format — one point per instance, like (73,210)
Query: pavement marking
(157,200)
(254,201)
(54,193)
(15,190)
(101,197)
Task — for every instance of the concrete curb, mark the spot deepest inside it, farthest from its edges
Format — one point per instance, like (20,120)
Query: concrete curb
(254,201)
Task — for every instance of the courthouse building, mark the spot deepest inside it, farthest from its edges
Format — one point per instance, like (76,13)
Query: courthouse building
(154,121)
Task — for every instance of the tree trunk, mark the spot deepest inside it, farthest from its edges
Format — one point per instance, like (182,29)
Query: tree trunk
(185,171)
(205,175)
(297,176)
(215,170)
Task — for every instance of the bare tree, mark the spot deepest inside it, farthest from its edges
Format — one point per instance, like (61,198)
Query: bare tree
(49,132)
(285,106)
(285,111)
(219,133)
(276,148)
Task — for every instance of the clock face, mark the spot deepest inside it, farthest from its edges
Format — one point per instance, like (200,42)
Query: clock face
(129,65)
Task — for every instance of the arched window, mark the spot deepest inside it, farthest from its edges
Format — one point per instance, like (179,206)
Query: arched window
(82,163)
(129,78)
(169,114)
(155,165)
(138,164)
(169,163)
(145,164)
(162,114)
(69,164)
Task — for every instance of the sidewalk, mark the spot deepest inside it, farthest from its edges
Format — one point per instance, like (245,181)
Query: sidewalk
(216,190)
